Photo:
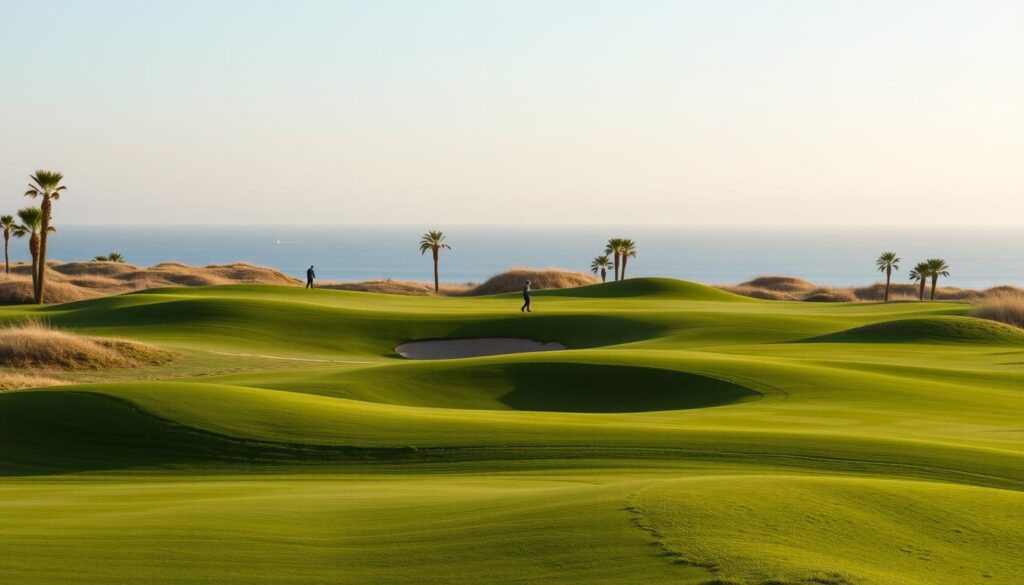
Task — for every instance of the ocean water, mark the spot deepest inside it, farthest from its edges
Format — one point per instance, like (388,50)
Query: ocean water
(979,257)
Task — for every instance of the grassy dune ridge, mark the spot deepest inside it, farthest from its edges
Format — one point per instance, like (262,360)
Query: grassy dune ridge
(686,435)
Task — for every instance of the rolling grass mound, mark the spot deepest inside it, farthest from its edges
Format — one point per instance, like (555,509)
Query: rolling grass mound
(31,345)
(568,387)
(659,288)
(685,436)
(550,386)
(509,281)
(918,530)
(399,287)
(932,329)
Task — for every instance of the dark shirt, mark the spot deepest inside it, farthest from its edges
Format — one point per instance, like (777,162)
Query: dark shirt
(310,275)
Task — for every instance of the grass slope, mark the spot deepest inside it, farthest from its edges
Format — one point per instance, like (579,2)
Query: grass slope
(687,435)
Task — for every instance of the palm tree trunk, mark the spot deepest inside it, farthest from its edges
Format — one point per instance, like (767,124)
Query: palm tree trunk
(7,257)
(921,298)
(437,283)
(616,266)
(935,279)
(888,278)
(604,275)
(33,248)
(47,207)
(625,260)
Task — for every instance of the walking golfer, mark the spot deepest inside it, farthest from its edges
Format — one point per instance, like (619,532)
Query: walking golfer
(310,275)
(526,298)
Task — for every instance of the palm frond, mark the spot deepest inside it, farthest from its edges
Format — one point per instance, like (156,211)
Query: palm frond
(938,267)
(433,240)
(31,219)
(887,261)
(45,184)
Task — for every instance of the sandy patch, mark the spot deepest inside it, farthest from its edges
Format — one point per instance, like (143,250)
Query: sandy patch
(445,349)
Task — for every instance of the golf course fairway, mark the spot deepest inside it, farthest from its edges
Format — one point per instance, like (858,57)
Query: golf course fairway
(684,435)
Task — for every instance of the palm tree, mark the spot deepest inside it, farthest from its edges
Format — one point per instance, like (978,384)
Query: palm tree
(434,241)
(31,225)
(111,257)
(614,247)
(8,226)
(936,267)
(45,184)
(628,250)
(887,263)
(920,275)
(601,264)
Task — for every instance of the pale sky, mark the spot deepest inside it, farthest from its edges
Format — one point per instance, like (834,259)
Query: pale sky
(550,112)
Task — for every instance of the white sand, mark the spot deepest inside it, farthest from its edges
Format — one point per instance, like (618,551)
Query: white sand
(445,349)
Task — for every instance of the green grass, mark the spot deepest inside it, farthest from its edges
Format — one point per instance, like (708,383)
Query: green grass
(687,435)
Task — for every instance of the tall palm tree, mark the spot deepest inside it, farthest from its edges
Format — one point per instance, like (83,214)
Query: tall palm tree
(434,241)
(920,275)
(614,247)
(601,264)
(628,250)
(887,263)
(45,184)
(7,225)
(31,226)
(936,267)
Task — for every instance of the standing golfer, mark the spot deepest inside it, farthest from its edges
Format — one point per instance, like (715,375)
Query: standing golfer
(310,275)
(526,298)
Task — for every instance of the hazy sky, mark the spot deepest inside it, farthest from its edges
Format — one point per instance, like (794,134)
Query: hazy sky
(554,112)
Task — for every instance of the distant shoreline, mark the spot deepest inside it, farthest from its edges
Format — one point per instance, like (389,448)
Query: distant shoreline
(832,258)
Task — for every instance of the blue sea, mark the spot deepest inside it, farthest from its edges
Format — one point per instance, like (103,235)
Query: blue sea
(979,257)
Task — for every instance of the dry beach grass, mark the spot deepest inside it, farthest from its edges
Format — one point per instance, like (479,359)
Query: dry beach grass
(1005,306)
(787,288)
(31,344)
(74,281)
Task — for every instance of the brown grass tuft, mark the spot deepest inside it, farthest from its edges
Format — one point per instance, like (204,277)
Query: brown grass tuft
(1006,305)
(786,284)
(34,345)
(830,295)
(758,293)
(18,381)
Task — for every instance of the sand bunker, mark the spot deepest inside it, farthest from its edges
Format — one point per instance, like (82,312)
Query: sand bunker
(445,349)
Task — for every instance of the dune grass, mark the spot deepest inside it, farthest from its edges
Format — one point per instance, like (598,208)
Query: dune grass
(787,288)
(687,435)
(1005,307)
(33,344)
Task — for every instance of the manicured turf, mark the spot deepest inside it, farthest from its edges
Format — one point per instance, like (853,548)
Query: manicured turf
(686,436)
